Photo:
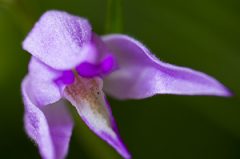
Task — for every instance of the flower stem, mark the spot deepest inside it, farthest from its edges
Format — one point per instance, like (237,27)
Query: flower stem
(114,21)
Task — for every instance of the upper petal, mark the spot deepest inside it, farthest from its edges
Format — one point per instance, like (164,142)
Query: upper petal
(87,96)
(50,127)
(142,75)
(60,40)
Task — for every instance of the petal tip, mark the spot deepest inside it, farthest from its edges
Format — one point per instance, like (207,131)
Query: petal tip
(117,144)
(227,93)
(221,90)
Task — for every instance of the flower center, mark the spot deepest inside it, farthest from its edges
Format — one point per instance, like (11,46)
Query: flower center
(106,66)
(88,70)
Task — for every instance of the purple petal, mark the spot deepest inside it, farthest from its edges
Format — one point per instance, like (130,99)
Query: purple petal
(50,127)
(142,75)
(87,96)
(60,40)
(43,89)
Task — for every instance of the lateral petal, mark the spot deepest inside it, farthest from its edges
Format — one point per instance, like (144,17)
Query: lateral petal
(50,127)
(41,83)
(142,75)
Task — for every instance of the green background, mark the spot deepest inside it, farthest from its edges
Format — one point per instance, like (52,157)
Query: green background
(201,34)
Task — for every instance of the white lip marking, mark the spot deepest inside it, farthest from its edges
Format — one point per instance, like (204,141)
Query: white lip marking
(87,96)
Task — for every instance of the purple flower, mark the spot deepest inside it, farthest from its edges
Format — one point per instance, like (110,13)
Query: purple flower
(71,63)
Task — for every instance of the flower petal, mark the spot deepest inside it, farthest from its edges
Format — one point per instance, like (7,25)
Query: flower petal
(50,127)
(60,40)
(142,75)
(41,84)
(87,96)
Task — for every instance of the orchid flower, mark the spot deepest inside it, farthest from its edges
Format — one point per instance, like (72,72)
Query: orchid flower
(70,63)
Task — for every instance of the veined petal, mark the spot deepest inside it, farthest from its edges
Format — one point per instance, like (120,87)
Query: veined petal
(50,127)
(41,83)
(60,40)
(142,75)
(87,96)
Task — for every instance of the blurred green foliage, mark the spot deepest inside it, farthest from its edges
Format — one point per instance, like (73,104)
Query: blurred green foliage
(201,34)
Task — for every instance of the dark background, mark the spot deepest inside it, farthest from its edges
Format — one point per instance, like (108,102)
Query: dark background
(201,34)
